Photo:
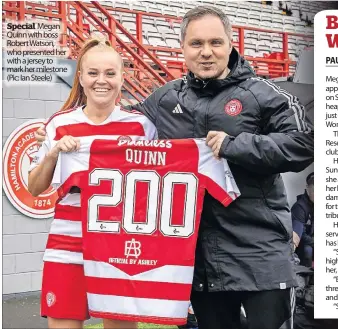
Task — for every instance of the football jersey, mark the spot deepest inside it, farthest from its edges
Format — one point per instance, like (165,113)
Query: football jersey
(141,203)
(64,244)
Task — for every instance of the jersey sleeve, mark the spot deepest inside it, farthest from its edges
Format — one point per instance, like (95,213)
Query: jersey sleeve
(76,179)
(45,146)
(70,168)
(217,175)
(43,150)
(150,130)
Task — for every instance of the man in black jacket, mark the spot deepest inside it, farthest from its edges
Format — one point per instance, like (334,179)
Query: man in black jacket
(244,251)
(302,221)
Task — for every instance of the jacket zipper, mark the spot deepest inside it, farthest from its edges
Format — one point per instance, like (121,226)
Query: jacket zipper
(206,117)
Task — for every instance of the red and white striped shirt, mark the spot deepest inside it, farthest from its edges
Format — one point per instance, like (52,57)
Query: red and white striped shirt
(141,204)
(64,244)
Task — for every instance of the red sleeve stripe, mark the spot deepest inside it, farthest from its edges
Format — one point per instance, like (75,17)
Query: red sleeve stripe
(58,113)
(112,128)
(131,111)
(217,192)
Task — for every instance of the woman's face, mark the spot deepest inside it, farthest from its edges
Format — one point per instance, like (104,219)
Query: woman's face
(101,77)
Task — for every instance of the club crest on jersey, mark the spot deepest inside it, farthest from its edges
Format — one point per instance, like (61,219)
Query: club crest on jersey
(132,252)
(124,139)
(19,152)
(233,108)
(132,248)
(50,299)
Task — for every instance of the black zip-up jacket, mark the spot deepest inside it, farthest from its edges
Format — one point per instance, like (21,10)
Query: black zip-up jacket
(247,245)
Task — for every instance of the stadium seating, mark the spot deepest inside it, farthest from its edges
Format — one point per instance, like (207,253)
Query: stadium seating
(158,32)
(160,22)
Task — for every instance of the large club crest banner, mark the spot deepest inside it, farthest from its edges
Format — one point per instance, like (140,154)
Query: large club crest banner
(18,153)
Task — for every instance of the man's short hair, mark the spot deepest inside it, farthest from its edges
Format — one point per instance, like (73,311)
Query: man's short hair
(310,179)
(201,11)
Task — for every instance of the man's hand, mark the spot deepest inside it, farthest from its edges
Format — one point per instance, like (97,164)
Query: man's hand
(295,239)
(215,140)
(40,134)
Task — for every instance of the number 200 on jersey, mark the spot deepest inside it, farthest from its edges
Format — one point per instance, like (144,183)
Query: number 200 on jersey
(128,183)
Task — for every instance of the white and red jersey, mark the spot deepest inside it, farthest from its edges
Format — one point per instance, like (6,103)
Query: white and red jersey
(141,203)
(64,243)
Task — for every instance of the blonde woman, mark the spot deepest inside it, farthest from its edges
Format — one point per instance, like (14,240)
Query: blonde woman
(90,110)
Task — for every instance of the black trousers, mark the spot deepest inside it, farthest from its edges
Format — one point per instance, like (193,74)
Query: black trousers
(272,309)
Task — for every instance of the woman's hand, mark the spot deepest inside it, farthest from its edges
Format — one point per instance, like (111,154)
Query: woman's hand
(40,134)
(65,144)
(41,177)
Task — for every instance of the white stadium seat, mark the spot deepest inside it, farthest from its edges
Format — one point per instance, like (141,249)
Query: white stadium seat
(250,41)
(264,48)
(242,11)
(137,5)
(173,43)
(278,45)
(187,5)
(264,36)
(240,21)
(293,57)
(249,52)
(125,17)
(275,37)
(210,2)
(164,3)
(121,4)
(232,4)
(149,27)
(157,41)
(170,11)
(265,24)
(164,29)
(123,37)
(254,21)
(131,27)
(277,26)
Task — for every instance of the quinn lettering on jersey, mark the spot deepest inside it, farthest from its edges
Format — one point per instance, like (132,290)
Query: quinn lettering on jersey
(146,157)
(154,143)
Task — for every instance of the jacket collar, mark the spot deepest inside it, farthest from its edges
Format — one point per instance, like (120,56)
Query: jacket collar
(305,198)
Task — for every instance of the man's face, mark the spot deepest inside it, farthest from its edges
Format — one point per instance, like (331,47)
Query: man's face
(206,48)
(310,192)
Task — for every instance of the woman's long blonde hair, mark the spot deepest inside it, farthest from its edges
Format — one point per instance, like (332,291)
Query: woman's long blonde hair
(77,96)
